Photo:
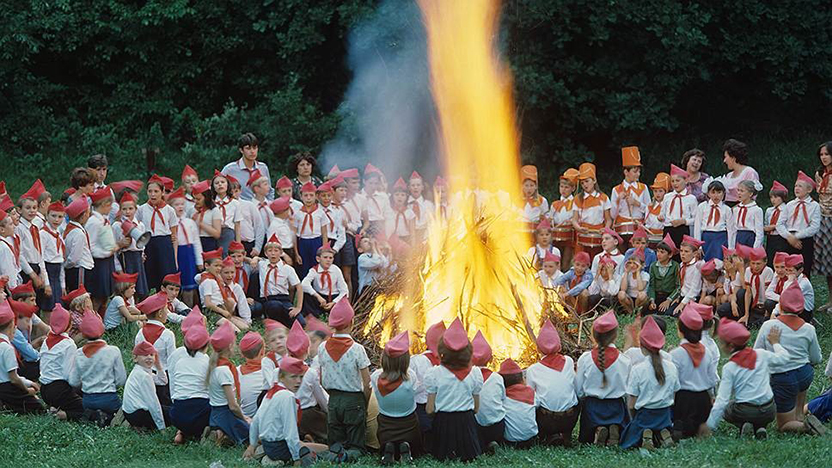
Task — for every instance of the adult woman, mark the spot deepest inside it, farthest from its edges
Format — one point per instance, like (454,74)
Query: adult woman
(735,157)
(692,161)
(823,239)
(303,163)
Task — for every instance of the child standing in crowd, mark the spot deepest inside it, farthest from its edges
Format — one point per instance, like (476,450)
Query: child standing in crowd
(664,286)
(130,258)
(229,211)
(53,251)
(189,179)
(259,185)
(591,212)
(283,229)
(491,426)
(535,205)
(79,262)
(800,221)
(29,246)
(160,251)
(748,217)
(401,220)
(778,195)
(189,247)
(553,381)
(679,207)
(453,398)
(103,247)
(560,213)
(334,216)
(311,227)
(630,198)
(377,201)
(653,219)
(206,216)
(252,230)
(423,208)
(715,224)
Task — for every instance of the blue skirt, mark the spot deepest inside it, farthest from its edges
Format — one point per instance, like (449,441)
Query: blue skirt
(187,266)
(132,262)
(821,406)
(208,244)
(714,241)
(100,281)
(234,428)
(653,419)
(191,416)
(597,412)
(53,271)
(160,260)
(308,250)
(226,238)
(745,238)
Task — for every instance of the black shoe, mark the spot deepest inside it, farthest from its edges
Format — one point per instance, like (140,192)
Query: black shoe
(389,456)
(761,433)
(404,453)
(337,453)
(491,448)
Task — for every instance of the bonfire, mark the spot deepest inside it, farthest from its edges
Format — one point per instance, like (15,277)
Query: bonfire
(473,264)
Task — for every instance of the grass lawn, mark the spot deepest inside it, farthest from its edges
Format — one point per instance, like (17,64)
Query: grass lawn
(45,441)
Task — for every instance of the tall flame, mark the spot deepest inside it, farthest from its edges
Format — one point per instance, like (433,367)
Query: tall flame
(474,262)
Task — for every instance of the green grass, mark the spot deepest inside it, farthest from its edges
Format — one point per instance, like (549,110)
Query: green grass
(44,441)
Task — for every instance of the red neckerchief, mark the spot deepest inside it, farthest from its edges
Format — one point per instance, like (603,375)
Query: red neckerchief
(775,216)
(521,392)
(682,271)
(241,275)
(308,218)
(755,282)
(746,358)
(713,217)
(416,208)
(93,347)
(272,270)
(790,320)
(460,373)
(331,221)
(554,361)
(71,226)
(778,289)
(610,355)
(343,209)
(801,204)
(199,214)
(677,196)
(276,388)
(576,280)
(326,280)
(221,205)
(263,206)
(385,387)
(432,357)
(52,339)
(696,351)
(399,214)
(225,362)
(337,346)
(15,252)
(486,373)
(271,355)
(35,233)
(741,215)
(152,332)
(184,232)
(157,210)
(251,366)
(59,243)
(223,289)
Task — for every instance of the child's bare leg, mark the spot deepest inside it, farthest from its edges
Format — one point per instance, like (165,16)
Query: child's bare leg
(189,297)
(580,301)
(800,402)
(625,302)
(787,422)
(239,323)
(347,271)
(707,300)
(317,448)
(642,300)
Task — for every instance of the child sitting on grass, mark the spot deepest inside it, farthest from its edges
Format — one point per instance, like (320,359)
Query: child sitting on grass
(122,306)
(521,404)
(632,294)
(141,405)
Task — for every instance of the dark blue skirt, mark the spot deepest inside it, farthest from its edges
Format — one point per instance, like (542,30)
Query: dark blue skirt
(187,266)
(132,262)
(821,406)
(234,428)
(277,450)
(100,281)
(191,416)
(308,250)
(653,419)
(106,402)
(208,244)
(745,238)
(53,271)
(597,412)
(714,241)
(160,260)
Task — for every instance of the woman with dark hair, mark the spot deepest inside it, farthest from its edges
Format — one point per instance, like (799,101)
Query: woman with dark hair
(303,164)
(692,161)
(735,157)
(823,239)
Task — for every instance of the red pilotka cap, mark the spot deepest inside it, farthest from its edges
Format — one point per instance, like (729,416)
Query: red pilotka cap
(297,341)
(398,345)
(548,340)
(482,353)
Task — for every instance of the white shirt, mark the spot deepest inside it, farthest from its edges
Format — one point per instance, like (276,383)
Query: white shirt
(521,420)
(643,385)
(78,253)
(746,385)
(57,363)
(101,235)
(275,280)
(251,385)
(140,394)
(252,228)
(561,211)
(797,224)
(802,345)
(336,226)
(588,378)
(683,207)
(555,390)
(536,253)
(354,208)
(336,288)
(632,283)
(620,207)
(758,293)
(112,315)
(220,377)
(591,207)
(421,365)
(276,420)
(616,256)
(705,222)
(492,400)
(208,217)
(102,373)
(269,369)
(188,234)
(751,221)
(27,244)
(606,288)
(452,394)
(344,375)
(52,245)
(308,225)
(425,211)
(8,360)
(158,222)
(165,345)
(243,309)
(311,393)
(210,287)
(283,230)
(229,211)
(9,263)
(400,402)
(548,281)
(396,222)
(376,207)
(187,375)
(695,379)
(692,281)
(770,213)
(731,182)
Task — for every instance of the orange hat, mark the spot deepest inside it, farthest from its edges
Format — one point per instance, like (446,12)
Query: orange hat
(293,366)
(68,298)
(341,314)
(6,313)
(78,207)
(482,353)
(297,342)
(189,171)
(254,177)
(571,175)
(235,246)
(100,194)
(250,341)
(59,319)
(398,345)
(284,182)
(153,303)
(586,171)
(223,337)
(605,322)
(529,172)
(197,337)
(125,277)
(22,309)
(91,325)
(279,205)
(173,278)
(201,187)
(455,337)
(733,332)
(651,336)
(548,340)
(434,335)
(25,288)
(57,207)
(630,156)
(509,367)
(144,348)
(212,254)
(662,181)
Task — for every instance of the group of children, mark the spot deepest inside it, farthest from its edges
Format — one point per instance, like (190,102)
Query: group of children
(98,260)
